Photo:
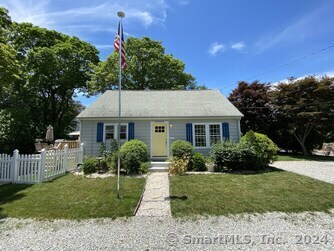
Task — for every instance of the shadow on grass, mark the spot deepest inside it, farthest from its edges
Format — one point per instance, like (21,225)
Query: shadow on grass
(9,193)
(173,197)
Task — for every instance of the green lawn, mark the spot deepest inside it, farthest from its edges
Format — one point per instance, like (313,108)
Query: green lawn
(71,197)
(254,193)
(293,157)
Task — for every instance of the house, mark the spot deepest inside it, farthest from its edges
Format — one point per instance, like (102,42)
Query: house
(159,118)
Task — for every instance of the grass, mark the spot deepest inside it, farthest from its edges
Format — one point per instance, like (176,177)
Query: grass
(295,157)
(71,197)
(254,193)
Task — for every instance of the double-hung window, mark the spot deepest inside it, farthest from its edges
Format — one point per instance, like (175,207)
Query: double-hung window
(111,132)
(206,134)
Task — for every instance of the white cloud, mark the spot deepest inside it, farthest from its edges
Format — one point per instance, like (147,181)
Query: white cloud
(238,46)
(317,75)
(144,17)
(216,48)
(104,46)
(47,13)
(28,11)
(184,2)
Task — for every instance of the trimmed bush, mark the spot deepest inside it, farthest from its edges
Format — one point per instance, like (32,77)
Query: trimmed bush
(255,151)
(182,149)
(89,166)
(133,153)
(264,147)
(144,167)
(198,162)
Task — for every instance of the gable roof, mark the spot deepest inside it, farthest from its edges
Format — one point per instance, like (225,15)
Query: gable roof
(162,104)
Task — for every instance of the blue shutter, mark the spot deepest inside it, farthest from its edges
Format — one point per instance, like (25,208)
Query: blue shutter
(131,130)
(99,133)
(189,132)
(226,131)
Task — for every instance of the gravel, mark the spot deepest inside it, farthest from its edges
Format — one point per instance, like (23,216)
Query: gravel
(270,231)
(321,170)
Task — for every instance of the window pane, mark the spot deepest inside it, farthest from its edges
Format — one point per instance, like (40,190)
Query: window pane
(123,132)
(214,134)
(159,129)
(200,137)
(110,132)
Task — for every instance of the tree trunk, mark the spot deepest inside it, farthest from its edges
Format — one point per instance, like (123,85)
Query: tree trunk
(302,138)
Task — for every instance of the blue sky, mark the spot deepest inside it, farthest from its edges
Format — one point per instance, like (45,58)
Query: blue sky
(220,41)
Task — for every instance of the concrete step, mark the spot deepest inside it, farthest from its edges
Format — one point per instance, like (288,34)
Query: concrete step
(158,169)
(160,164)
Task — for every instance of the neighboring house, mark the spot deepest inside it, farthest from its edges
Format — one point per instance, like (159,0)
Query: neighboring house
(159,118)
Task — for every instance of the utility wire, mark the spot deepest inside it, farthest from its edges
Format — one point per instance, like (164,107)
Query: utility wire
(286,64)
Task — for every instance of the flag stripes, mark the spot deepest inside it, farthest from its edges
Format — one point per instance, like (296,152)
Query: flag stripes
(119,43)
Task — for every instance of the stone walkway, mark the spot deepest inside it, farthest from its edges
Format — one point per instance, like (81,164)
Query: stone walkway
(155,201)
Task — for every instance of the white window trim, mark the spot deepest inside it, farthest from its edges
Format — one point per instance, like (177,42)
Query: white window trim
(116,131)
(207,134)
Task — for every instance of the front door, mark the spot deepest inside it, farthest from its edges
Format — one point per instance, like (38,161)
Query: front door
(159,140)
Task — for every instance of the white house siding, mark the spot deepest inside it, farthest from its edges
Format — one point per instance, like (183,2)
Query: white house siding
(177,130)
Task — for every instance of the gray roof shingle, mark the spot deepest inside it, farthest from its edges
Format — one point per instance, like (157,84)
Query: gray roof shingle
(162,104)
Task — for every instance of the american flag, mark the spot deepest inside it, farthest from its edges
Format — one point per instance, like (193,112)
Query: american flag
(118,43)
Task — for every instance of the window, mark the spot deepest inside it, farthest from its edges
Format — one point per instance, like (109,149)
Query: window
(206,134)
(111,132)
(159,129)
(214,134)
(200,136)
(123,132)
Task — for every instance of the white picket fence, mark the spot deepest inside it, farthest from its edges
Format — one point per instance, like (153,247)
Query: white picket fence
(36,168)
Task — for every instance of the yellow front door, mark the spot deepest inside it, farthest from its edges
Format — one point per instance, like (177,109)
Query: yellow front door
(159,140)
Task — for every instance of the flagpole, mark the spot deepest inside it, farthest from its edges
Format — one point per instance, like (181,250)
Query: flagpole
(121,15)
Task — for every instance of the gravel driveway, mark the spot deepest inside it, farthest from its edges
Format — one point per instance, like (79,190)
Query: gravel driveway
(321,170)
(270,231)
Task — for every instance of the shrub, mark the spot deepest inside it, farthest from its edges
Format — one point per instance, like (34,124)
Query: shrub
(221,152)
(178,166)
(113,146)
(233,156)
(89,166)
(254,151)
(102,150)
(198,162)
(144,167)
(182,149)
(265,148)
(104,167)
(133,153)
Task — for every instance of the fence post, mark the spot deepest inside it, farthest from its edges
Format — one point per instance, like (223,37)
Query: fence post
(81,153)
(65,158)
(15,164)
(42,166)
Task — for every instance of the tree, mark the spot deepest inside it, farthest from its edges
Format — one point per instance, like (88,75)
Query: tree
(252,100)
(306,107)
(43,71)
(5,24)
(148,67)
(56,74)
